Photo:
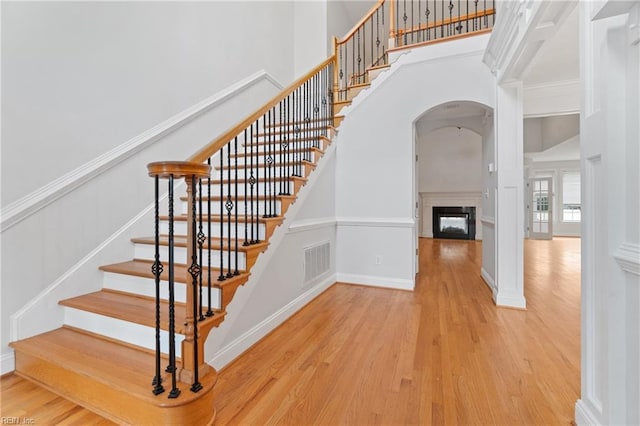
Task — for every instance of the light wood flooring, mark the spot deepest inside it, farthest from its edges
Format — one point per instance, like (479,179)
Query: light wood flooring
(443,354)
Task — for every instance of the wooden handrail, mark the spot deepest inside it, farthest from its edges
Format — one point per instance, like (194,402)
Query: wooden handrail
(361,22)
(215,145)
(178,169)
(446,21)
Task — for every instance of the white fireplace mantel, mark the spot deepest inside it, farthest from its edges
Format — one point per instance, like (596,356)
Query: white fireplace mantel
(428,200)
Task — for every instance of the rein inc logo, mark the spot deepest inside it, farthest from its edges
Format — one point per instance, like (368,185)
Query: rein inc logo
(17,421)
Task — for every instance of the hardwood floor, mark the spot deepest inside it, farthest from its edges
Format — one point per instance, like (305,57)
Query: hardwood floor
(443,354)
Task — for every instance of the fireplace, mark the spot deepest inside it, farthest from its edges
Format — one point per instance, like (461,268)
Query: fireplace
(454,222)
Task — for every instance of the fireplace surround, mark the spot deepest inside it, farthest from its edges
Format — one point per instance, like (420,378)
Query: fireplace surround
(454,222)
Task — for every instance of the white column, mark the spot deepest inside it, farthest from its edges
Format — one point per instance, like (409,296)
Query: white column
(509,279)
(610,141)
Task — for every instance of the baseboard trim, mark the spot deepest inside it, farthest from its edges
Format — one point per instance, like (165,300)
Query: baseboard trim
(375,281)
(238,346)
(488,280)
(516,302)
(7,363)
(584,416)
(40,198)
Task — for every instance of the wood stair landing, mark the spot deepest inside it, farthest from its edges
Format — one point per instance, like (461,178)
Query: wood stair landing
(110,378)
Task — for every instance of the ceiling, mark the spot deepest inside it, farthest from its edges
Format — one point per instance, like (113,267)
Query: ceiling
(557,59)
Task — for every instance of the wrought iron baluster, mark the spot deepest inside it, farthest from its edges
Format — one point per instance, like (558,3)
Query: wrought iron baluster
(157,269)
(200,239)
(252,182)
(282,148)
(221,276)
(229,206)
(172,368)
(209,265)
(467,14)
(246,192)
(274,189)
(235,204)
(404,19)
(195,272)
(427,12)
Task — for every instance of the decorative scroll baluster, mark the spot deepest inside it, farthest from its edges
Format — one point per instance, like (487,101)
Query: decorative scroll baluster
(246,192)
(221,276)
(157,269)
(200,239)
(195,272)
(229,207)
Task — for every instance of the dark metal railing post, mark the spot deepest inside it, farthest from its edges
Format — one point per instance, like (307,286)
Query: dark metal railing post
(196,272)
(171,368)
(209,266)
(157,269)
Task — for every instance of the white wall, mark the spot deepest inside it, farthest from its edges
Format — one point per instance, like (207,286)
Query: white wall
(276,288)
(450,160)
(610,153)
(310,35)
(376,157)
(80,78)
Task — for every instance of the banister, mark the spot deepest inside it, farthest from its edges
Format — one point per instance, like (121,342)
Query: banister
(178,169)
(361,22)
(215,145)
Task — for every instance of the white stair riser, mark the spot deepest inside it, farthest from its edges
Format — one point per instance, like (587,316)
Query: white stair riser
(277,138)
(147,287)
(124,331)
(259,172)
(258,206)
(180,228)
(215,187)
(147,252)
(285,157)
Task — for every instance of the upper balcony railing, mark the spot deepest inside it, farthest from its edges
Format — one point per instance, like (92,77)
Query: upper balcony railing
(414,22)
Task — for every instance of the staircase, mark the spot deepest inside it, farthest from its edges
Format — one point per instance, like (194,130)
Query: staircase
(116,353)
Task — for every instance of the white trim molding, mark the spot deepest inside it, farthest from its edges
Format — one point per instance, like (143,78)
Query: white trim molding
(310,224)
(488,280)
(47,194)
(234,349)
(583,415)
(376,281)
(381,222)
(489,221)
(628,257)
(7,363)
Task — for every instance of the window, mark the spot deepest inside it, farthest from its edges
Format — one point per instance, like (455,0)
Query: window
(571,211)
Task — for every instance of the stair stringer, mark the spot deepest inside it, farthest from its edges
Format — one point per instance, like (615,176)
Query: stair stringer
(275,289)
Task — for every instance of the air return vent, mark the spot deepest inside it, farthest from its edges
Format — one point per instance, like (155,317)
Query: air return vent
(316,260)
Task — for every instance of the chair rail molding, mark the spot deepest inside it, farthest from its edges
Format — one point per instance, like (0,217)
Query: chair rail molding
(628,257)
(24,207)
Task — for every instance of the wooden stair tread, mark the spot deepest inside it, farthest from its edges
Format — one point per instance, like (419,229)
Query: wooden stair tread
(142,268)
(124,367)
(242,198)
(218,218)
(127,307)
(214,243)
